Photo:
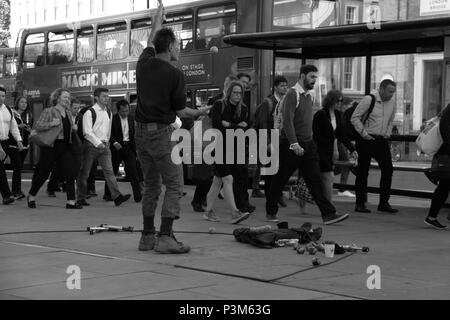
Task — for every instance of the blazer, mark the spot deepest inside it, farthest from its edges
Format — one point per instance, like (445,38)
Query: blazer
(47,116)
(117,134)
(324,136)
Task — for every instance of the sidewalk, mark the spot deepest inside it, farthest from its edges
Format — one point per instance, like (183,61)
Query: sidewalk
(413,258)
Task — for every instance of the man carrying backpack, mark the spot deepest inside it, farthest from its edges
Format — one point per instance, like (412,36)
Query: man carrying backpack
(297,148)
(97,132)
(373,143)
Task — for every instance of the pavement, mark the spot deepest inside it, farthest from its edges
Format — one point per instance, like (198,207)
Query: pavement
(412,260)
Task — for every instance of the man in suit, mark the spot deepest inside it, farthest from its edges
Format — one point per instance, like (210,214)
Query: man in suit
(123,148)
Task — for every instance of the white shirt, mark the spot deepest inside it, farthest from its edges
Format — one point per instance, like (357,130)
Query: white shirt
(101,131)
(125,129)
(7,124)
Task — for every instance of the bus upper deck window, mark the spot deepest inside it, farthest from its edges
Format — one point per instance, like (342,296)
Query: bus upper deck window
(34,51)
(112,41)
(213,24)
(182,25)
(60,47)
(140,32)
(85,45)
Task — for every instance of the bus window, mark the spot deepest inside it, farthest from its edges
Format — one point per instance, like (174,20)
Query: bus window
(213,24)
(60,47)
(112,41)
(202,96)
(33,55)
(304,14)
(85,41)
(182,25)
(140,31)
(10,67)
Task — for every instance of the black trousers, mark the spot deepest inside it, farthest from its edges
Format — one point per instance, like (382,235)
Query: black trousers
(4,187)
(61,153)
(380,151)
(308,166)
(57,175)
(440,196)
(201,191)
(17,160)
(128,156)
(240,185)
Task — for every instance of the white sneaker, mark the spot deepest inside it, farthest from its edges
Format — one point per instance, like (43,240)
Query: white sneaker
(211,216)
(347,194)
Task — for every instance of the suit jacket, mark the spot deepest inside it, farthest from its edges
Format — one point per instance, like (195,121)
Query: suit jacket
(324,137)
(117,134)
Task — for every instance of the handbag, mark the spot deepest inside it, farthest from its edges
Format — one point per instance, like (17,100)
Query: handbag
(440,167)
(302,192)
(45,138)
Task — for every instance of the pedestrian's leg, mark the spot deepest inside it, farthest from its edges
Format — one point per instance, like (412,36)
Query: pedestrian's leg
(52,184)
(68,168)
(104,160)
(440,195)
(16,163)
(116,158)
(4,187)
(382,155)
(327,184)
(364,157)
(129,158)
(310,170)
(288,164)
(90,154)
(46,161)
(228,193)
(91,178)
(213,193)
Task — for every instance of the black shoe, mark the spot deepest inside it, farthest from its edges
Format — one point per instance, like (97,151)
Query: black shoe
(8,201)
(257,194)
(387,208)
(121,199)
(138,199)
(248,208)
(83,203)
(362,209)
(282,202)
(31,204)
(107,198)
(197,207)
(51,194)
(75,206)
(272,218)
(435,224)
(336,218)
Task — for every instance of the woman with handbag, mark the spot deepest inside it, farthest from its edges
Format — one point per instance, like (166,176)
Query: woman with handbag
(441,161)
(24,121)
(327,130)
(53,131)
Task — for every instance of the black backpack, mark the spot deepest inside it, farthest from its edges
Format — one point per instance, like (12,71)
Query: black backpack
(349,129)
(80,120)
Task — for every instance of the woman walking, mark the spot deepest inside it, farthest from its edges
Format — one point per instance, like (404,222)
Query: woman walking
(24,120)
(440,195)
(229,113)
(59,116)
(327,130)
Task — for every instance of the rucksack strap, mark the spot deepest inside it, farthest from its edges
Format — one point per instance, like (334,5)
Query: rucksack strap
(372,106)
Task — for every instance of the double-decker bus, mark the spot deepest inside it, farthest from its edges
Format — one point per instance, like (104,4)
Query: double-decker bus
(103,52)
(8,70)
